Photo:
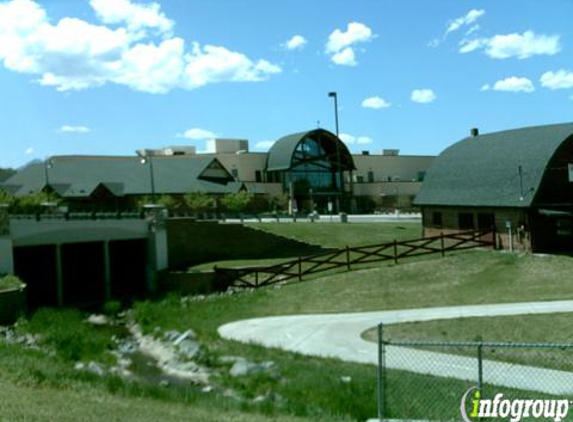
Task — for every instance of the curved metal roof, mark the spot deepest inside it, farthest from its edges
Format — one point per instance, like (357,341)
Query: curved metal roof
(281,153)
(484,170)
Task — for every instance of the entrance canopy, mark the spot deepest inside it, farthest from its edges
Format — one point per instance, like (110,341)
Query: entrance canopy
(318,148)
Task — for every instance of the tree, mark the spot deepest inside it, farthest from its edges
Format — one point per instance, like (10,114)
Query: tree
(34,203)
(6,198)
(6,173)
(199,201)
(238,201)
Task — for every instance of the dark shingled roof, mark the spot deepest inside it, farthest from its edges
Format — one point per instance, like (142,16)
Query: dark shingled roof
(79,176)
(281,153)
(484,170)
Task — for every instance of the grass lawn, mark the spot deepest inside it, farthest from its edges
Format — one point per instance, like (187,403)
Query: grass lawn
(328,235)
(554,328)
(338,235)
(312,387)
(25,403)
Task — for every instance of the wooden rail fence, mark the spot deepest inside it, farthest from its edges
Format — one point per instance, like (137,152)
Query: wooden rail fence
(259,276)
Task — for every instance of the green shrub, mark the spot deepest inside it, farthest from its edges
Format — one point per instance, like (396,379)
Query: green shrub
(9,282)
(111,308)
(71,338)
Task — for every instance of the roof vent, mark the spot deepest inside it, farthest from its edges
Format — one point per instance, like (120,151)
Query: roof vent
(474,132)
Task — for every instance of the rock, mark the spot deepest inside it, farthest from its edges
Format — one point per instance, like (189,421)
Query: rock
(171,335)
(98,319)
(230,359)
(189,334)
(346,379)
(207,389)
(243,367)
(164,383)
(95,368)
(188,348)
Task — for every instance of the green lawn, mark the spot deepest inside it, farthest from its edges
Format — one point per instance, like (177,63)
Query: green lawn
(338,235)
(309,387)
(327,235)
(553,328)
(25,403)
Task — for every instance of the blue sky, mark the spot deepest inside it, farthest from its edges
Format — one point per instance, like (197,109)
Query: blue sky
(113,76)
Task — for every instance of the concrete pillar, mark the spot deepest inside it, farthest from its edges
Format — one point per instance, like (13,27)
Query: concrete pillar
(59,276)
(6,252)
(157,256)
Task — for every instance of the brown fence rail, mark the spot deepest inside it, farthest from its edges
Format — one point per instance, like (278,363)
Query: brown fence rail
(259,276)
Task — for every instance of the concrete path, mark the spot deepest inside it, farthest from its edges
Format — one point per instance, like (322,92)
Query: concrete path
(339,336)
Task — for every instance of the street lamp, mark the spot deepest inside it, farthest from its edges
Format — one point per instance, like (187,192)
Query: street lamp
(48,164)
(335,96)
(144,159)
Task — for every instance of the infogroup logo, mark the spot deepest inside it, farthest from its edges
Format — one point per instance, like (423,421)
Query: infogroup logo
(473,407)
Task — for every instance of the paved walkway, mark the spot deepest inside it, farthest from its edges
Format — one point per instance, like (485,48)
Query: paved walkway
(339,336)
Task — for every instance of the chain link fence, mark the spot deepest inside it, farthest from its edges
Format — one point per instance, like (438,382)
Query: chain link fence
(438,380)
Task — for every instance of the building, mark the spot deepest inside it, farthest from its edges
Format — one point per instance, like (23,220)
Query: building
(519,182)
(314,169)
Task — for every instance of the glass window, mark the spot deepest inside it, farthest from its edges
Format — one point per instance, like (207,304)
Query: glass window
(437,219)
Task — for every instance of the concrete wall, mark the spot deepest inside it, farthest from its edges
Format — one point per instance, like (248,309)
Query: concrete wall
(27,232)
(191,242)
(6,256)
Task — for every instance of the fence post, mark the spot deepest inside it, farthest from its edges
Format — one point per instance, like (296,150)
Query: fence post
(395,251)
(480,366)
(257,278)
(442,244)
(347,258)
(381,372)
(299,268)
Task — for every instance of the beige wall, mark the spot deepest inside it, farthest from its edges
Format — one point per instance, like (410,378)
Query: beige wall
(395,168)
(398,168)
(245,164)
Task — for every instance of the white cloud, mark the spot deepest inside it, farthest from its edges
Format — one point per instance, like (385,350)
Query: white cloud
(455,24)
(468,19)
(197,134)
(511,84)
(375,102)
(74,129)
(296,43)
(562,79)
(339,43)
(423,96)
(351,139)
(212,64)
(29,151)
(137,17)
(473,29)
(264,145)
(73,54)
(345,57)
(521,46)
(363,140)
(467,46)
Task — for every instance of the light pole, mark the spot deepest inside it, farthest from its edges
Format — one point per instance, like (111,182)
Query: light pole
(144,159)
(47,165)
(334,95)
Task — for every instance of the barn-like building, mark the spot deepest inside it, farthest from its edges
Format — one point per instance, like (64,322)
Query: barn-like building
(519,182)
